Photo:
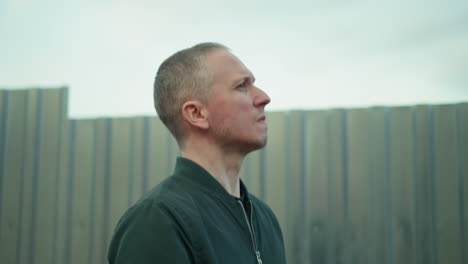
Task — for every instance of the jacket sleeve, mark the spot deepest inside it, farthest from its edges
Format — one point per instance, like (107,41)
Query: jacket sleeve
(150,233)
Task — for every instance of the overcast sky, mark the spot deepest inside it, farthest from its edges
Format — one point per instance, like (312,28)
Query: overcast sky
(304,54)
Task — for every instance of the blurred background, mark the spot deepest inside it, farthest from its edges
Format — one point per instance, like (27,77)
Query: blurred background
(367,160)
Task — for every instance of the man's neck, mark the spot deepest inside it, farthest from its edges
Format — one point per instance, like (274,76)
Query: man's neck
(224,167)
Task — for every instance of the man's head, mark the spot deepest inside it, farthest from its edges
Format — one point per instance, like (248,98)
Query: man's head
(181,77)
(208,91)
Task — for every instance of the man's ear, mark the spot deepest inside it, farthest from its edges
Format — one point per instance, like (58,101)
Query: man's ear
(195,113)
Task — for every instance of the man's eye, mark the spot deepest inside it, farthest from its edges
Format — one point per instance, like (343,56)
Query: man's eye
(242,86)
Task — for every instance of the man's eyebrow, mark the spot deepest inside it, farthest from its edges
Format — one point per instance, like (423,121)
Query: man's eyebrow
(245,78)
(249,77)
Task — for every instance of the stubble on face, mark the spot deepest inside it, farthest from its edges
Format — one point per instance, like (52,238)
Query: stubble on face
(234,120)
(227,137)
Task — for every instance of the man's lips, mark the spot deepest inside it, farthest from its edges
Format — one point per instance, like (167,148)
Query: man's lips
(262,118)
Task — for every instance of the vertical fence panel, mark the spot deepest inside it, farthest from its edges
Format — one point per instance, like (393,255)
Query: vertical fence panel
(34,177)
(69,178)
(359,193)
(173,153)
(462,135)
(30,168)
(295,187)
(159,153)
(94,192)
(275,169)
(101,208)
(402,177)
(251,172)
(337,173)
(3,119)
(61,210)
(119,168)
(61,156)
(52,118)
(462,119)
(137,164)
(424,213)
(12,170)
(81,190)
(446,179)
(377,184)
(316,183)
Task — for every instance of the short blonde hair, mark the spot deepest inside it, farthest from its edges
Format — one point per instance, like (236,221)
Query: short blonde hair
(181,77)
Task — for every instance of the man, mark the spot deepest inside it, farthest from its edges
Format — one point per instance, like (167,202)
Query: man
(203,213)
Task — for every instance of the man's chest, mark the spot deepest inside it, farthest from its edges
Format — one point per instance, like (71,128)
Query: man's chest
(232,236)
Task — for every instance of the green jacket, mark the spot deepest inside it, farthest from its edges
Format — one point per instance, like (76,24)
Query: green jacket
(191,218)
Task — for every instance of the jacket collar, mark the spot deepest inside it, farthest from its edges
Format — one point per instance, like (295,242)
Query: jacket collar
(190,170)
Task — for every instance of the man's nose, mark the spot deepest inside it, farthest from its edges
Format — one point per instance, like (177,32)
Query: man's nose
(261,98)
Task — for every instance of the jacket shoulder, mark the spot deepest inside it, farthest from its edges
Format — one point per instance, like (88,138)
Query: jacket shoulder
(172,194)
(165,211)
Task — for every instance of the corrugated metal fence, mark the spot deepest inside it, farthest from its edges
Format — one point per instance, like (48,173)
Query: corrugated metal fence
(373,185)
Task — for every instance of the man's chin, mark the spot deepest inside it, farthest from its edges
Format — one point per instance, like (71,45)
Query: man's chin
(257,144)
(264,142)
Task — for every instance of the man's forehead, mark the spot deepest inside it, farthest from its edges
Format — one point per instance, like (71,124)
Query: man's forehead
(224,62)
